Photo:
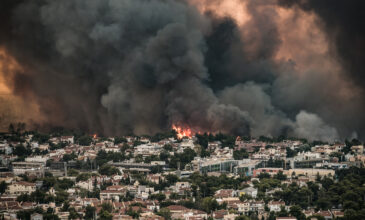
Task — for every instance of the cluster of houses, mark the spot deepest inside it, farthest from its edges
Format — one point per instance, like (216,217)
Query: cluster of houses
(304,165)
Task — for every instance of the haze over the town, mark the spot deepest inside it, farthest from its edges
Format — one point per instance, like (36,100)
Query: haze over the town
(244,67)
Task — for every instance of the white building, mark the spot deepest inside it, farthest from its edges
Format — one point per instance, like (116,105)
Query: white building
(250,191)
(37,159)
(88,184)
(185,144)
(36,216)
(19,188)
(275,206)
(307,156)
(181,186)
(6,148)
(68,139)
(147,149)
(358,149)
(112,194)
(243,207)
(231,216)
(28,168)
(34,144)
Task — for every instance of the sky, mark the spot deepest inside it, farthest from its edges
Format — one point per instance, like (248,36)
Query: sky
(244,67)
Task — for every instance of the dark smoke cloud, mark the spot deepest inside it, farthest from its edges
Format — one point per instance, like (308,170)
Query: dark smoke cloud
(229,63)
(344,24)
(119,66)
(116,67)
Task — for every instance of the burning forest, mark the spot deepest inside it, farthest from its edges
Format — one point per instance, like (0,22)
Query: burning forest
(273,67)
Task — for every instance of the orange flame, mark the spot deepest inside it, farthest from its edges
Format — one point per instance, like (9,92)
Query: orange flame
(95,136)
(182,132)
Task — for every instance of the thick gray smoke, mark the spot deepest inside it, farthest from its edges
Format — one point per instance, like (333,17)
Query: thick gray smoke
(117,67)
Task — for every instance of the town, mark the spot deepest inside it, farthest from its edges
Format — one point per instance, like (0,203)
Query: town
(67,174)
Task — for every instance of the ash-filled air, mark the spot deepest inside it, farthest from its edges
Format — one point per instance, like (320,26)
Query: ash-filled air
(245,67)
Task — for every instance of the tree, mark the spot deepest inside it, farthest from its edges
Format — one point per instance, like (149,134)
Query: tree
(73,214)
(280,176)
(48,182)
(84,140)
(226,140)
(49,215)
(11,128)
(22,151)
(349,144)
(240,154)
(107,207)
(108,170)
(40,138)
(68,157)
(318,177)
(165,212)
(184,158)
(73,172)
(164,156)
(89,212)
(40,196)
(119,140)
(264,175)
(171,179)
(3,187)
(337,155)
(190,204)
(283,212)
(275,163)
(326,182)
(23,198)
(242,217)
(174,196)
(167,147)
(65,206)
(350,214)
(204,153)
(266,139)
(24,214)
(148,159)
(296,211)
(133,213)
(350,205)
(138,158)
(160,197)
(61,196)
(160,136)
(64,184)
(105,215)
(272,216)
(202,140)
(20,127)
(209,204)
(83,177)
(317,217)
(290,152)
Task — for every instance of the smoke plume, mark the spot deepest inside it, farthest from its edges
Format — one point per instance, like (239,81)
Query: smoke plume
(138,66)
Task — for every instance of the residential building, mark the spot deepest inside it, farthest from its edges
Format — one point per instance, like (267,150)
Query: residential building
(271,171)
(28,168)
(275,206)
(250,191)
(36,216)
(19,188)
(68,139)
